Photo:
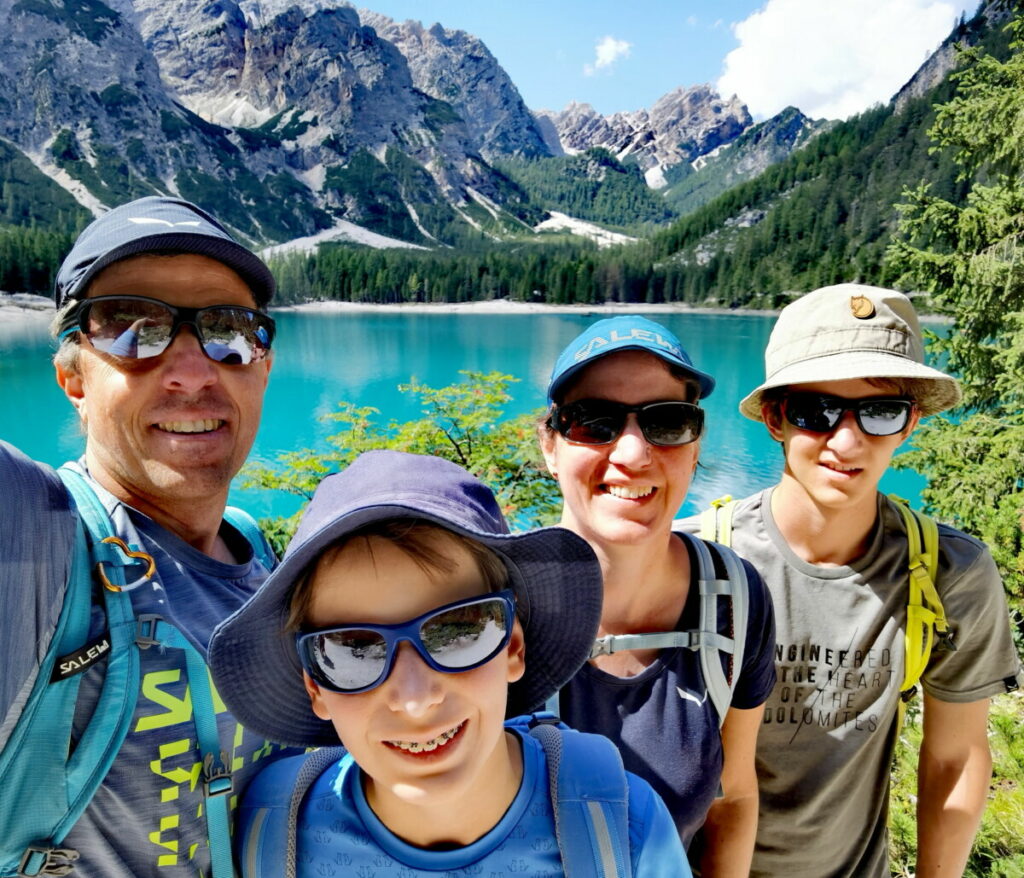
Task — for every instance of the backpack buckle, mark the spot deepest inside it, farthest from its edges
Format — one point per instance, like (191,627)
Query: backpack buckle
(145,630)
(217,781)
(908,694)
(40,859)
(946,639)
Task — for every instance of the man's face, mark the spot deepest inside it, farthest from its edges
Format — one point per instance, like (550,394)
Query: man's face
(174,428)
(842,467)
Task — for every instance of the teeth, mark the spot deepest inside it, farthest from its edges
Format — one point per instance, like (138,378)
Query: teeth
(427,746)
(629,493)
(190,426)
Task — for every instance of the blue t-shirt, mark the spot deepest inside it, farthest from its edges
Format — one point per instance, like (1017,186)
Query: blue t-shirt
(147,817)
(338,833)
(662,721)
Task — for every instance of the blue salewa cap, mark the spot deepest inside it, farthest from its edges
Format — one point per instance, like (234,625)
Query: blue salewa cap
(624,333)
(151,224)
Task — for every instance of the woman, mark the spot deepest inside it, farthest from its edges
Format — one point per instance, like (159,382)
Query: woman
(622,439)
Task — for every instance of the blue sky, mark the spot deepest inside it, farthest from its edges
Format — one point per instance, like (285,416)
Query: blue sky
(830,58)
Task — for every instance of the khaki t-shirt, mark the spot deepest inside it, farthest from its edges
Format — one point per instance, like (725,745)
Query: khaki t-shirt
(826,741)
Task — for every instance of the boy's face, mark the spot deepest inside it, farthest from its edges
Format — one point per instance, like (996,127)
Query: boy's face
(459,716)
(840,468)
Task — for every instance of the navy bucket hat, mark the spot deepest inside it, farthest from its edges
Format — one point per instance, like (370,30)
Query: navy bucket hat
(150,224)
(625,333)
(554,574)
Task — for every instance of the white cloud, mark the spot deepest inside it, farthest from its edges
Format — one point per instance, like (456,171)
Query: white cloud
(832,58)
(606,53)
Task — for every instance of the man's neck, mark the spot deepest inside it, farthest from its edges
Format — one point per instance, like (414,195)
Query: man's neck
(822,535)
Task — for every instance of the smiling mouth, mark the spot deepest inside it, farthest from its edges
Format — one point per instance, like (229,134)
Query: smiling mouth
(624,492)
(838,468)
(207,425)
(431,746)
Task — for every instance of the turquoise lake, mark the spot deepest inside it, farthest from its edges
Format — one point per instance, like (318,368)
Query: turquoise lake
(323,357)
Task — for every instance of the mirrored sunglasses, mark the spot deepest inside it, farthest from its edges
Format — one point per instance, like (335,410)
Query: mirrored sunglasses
(456,637)
(601,421)
(136,328)
(820,413)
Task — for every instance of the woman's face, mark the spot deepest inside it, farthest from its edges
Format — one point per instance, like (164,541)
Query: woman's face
(629,491)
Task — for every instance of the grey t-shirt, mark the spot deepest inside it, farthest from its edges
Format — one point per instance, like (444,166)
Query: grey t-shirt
(147,817)
(826,743)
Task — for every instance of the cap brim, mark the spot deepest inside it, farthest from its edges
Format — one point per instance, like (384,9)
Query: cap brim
(941,391)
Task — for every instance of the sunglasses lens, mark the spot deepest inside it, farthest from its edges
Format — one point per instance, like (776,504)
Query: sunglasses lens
(671,423)
(883,417)
(813,412)
(590,422)
(234,336)
(131,328)
(466,636)
(348,659)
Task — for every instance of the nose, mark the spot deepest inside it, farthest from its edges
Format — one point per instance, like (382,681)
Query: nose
(412,686)
(631,449)
(185,367)
(846,435)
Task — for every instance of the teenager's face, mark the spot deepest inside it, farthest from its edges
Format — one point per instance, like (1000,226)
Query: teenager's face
(460,716)
(628,491)
(839,469)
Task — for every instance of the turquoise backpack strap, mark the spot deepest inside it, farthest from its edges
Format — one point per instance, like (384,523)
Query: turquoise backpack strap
(590,799)
(35,766)
(246,525)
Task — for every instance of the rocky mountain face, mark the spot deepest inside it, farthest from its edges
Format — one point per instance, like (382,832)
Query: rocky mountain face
(282,117)
(754,151)
(683,125)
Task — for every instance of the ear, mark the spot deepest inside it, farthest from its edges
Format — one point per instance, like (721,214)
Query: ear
(546,439)
(316,698)
(516,653)
(912,422)
(73,386)
(772,417)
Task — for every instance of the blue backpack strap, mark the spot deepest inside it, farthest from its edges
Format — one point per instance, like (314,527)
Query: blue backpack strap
(35,766)
(246,525)
(590,799)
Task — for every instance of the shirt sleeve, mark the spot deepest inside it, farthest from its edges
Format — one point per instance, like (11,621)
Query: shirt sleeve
(984,662)
(757,677)
(655,848)
(37,530)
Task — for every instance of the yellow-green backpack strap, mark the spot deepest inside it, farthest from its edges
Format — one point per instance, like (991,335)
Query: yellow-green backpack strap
(716,520)
(925,613)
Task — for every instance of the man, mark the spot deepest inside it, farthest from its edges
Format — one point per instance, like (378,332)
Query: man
(168,421)
(846,386)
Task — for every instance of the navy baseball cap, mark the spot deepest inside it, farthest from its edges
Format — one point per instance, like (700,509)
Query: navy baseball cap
(626,333)
(156,223)
(554,574)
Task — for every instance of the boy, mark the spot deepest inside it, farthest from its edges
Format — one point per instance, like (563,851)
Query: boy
(406,621)
(846,385)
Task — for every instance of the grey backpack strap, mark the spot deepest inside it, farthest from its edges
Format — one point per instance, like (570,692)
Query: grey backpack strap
(315,765)
(734,586)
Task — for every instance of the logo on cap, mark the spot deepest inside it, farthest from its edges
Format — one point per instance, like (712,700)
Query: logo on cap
(862,307)
(615,337)
(153,221)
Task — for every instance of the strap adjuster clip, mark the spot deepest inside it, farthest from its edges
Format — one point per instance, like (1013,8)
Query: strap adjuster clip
(41,859)
(217,781)
(145,630)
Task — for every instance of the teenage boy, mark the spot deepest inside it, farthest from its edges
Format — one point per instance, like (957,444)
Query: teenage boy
(407,622)
(846,385)
(168,421)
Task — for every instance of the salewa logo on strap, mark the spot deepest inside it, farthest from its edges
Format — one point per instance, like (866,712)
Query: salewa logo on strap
(596,343)
(77,661)
(153,221)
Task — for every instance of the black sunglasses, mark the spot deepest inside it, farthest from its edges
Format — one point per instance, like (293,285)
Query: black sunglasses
(601,421)
(457,637)
(136,328)
(820,413)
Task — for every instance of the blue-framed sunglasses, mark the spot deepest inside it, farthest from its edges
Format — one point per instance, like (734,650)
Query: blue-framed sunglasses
(137,327)
(457,637)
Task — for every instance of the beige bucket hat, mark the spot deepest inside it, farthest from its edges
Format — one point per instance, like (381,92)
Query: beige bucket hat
(851,331)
